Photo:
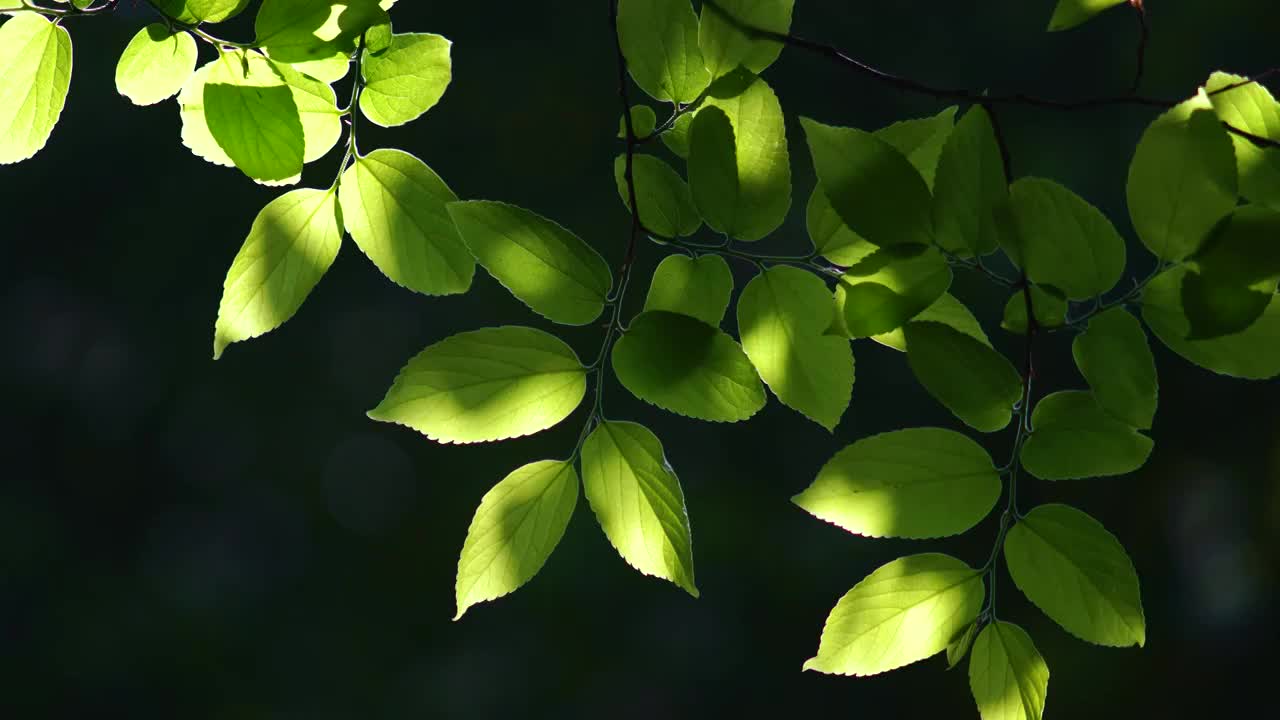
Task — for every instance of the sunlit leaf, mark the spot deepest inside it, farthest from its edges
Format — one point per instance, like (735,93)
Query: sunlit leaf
(406,80)
(1075,438)
(971,379)
(726,44)
(1234,278)
(643,122)
(697,288)
(297,30)
(660,41)
(890,287)
(1251,108)
(921,140)
(196,11)
(666,206)
(1008,677)
(947,310)
(1070,13)
(1115,357)
(831,237)
(155,64)
(969,186)
(252,116)
(35,73)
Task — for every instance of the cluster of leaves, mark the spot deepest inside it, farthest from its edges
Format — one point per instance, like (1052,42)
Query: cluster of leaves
(895,212)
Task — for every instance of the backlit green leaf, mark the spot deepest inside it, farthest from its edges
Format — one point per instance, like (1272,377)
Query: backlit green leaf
(972,380)
(396,209)
(947,310)
(483,385)
(155,64)
(959,647)
(35,73)
(739,172)
(666,207)
(643,122)
(891,286)
(292,243)
(1050,310)
(677,138)
(406,80)
(544,265)
(1075,438)
(1076,572)
(637,499)
(1253,354)
(688,367)
(903,612)
(1182,180)
(784,336)
(875,190)
(660,41)
(970,185)
(195,11)
(697,288)
(921,140)
(726,44)
(1234,277)
(1062,240)
(297,30)
(251,114)
(831,237)
(519,522)
(1249,106)
(1070,13)
(1008,677)
(1114,356)
(918,483)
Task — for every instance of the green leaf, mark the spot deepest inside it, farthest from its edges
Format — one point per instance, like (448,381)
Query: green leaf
(972,380)
(831,237)
(198,11)
(406,80)
(784,337)
(1050,310)
(1077,573)
(297,30)
(688,367)
(875,190)
(1250,107)
(660,41)
(918,483)
(890,287)
(903,612)
(1253,354)
(697,288)
(1114,356)
(515,529)
(666,207)
(1234,277)
(739,171)
(252,116)
(1215,309)
(959,647)
(1070,13)
(327,70)
(1075,438)
(544,265)
(316,110)
(637,499)
(643,121)
(1062,240)
(921,140)
(396,209)
(947,310)
(726,43)
(378,38)
(1182,180)
(292,243)
(35,74)
(970,185)
(677,138)
(1008,677)
(155,64)
(488,384)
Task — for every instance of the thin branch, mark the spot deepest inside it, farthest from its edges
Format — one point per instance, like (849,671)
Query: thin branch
(1144,35)
(1255,139)
(1251,80)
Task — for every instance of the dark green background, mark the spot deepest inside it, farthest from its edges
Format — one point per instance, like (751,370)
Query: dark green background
(190,539)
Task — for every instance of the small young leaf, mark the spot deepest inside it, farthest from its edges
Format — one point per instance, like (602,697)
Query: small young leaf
(1062,240)
(544,265)
(643,121)
(890,287)
(809,371)
(726,43)
(637,499)
(903,612)
(519,522)
(875,190)
(972,380)
(1008,677)
(666,207)
(292,243)
(918,483)
(406,80)
(484,385)
(251,114)
(1182,180)
(155,64)
(1070,13)
(396,209)
(35,74)
(959,647)
(1074,438)
(947,310)
(1115,357)
(688,367)
(1050,310)
(1077,573)
(970,185)
(739,172)
(831,238)
(697,288)
(298,30)
(1253,354)
(660,41)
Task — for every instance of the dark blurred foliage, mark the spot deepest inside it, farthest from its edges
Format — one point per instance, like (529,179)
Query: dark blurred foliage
(184,538)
